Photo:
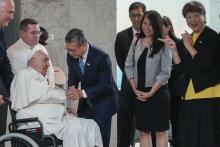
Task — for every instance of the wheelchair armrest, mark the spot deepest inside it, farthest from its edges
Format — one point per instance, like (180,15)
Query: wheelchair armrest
(7,100)
(13,125)
(26,120)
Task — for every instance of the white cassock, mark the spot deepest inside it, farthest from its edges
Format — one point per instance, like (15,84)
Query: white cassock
(32,97)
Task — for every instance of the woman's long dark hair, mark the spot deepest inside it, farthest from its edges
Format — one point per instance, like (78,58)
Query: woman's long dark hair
(167,23)
(157,25)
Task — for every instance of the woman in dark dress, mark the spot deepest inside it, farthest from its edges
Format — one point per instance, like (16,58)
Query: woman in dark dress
(148,67)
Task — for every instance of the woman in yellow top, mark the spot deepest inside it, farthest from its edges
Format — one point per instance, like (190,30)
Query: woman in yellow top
(199,60)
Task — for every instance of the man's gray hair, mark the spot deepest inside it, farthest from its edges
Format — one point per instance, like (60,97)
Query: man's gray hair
(77,36)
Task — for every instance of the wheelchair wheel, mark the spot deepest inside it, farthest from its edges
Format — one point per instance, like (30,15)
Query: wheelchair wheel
(17,140)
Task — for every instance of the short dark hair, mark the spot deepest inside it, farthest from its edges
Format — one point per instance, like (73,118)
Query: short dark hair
(75,35)
(137,5)
(193,6)
(25,22)
(44,36)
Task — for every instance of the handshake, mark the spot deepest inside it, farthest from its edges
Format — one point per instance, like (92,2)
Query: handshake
(73,94)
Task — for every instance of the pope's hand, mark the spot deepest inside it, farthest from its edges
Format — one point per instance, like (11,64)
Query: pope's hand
(73,94)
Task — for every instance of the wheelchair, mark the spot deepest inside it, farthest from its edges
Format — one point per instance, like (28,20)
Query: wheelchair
(36,134)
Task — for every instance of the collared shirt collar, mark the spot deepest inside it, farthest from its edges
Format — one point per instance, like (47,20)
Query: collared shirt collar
(25,44)
(134,32)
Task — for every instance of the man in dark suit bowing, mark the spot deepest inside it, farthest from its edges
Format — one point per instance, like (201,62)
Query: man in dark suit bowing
(91,67)
(125,115)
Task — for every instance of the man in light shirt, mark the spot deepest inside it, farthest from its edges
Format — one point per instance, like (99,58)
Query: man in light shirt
(21,51)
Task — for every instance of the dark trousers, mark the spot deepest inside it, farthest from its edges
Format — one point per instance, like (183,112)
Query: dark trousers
(175,101)
(3,111)
(103,123)
(3,118)
(105,128)
(125,128)
(174,119)
(125,116)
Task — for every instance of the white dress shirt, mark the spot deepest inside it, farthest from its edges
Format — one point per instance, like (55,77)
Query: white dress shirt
(84,56)
(19,54)
(134,33)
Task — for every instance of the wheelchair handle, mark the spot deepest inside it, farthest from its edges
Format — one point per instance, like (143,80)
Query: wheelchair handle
(7,100)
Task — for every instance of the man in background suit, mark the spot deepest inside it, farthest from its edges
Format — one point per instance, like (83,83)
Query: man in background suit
(126,128)
(6,14)
(91,67)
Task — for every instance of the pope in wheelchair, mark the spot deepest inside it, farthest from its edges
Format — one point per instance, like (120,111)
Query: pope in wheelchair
(31,96)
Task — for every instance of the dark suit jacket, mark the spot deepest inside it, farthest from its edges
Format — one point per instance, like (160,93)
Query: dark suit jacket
(122,46)
(6,75)
(204,69)
(97,82)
